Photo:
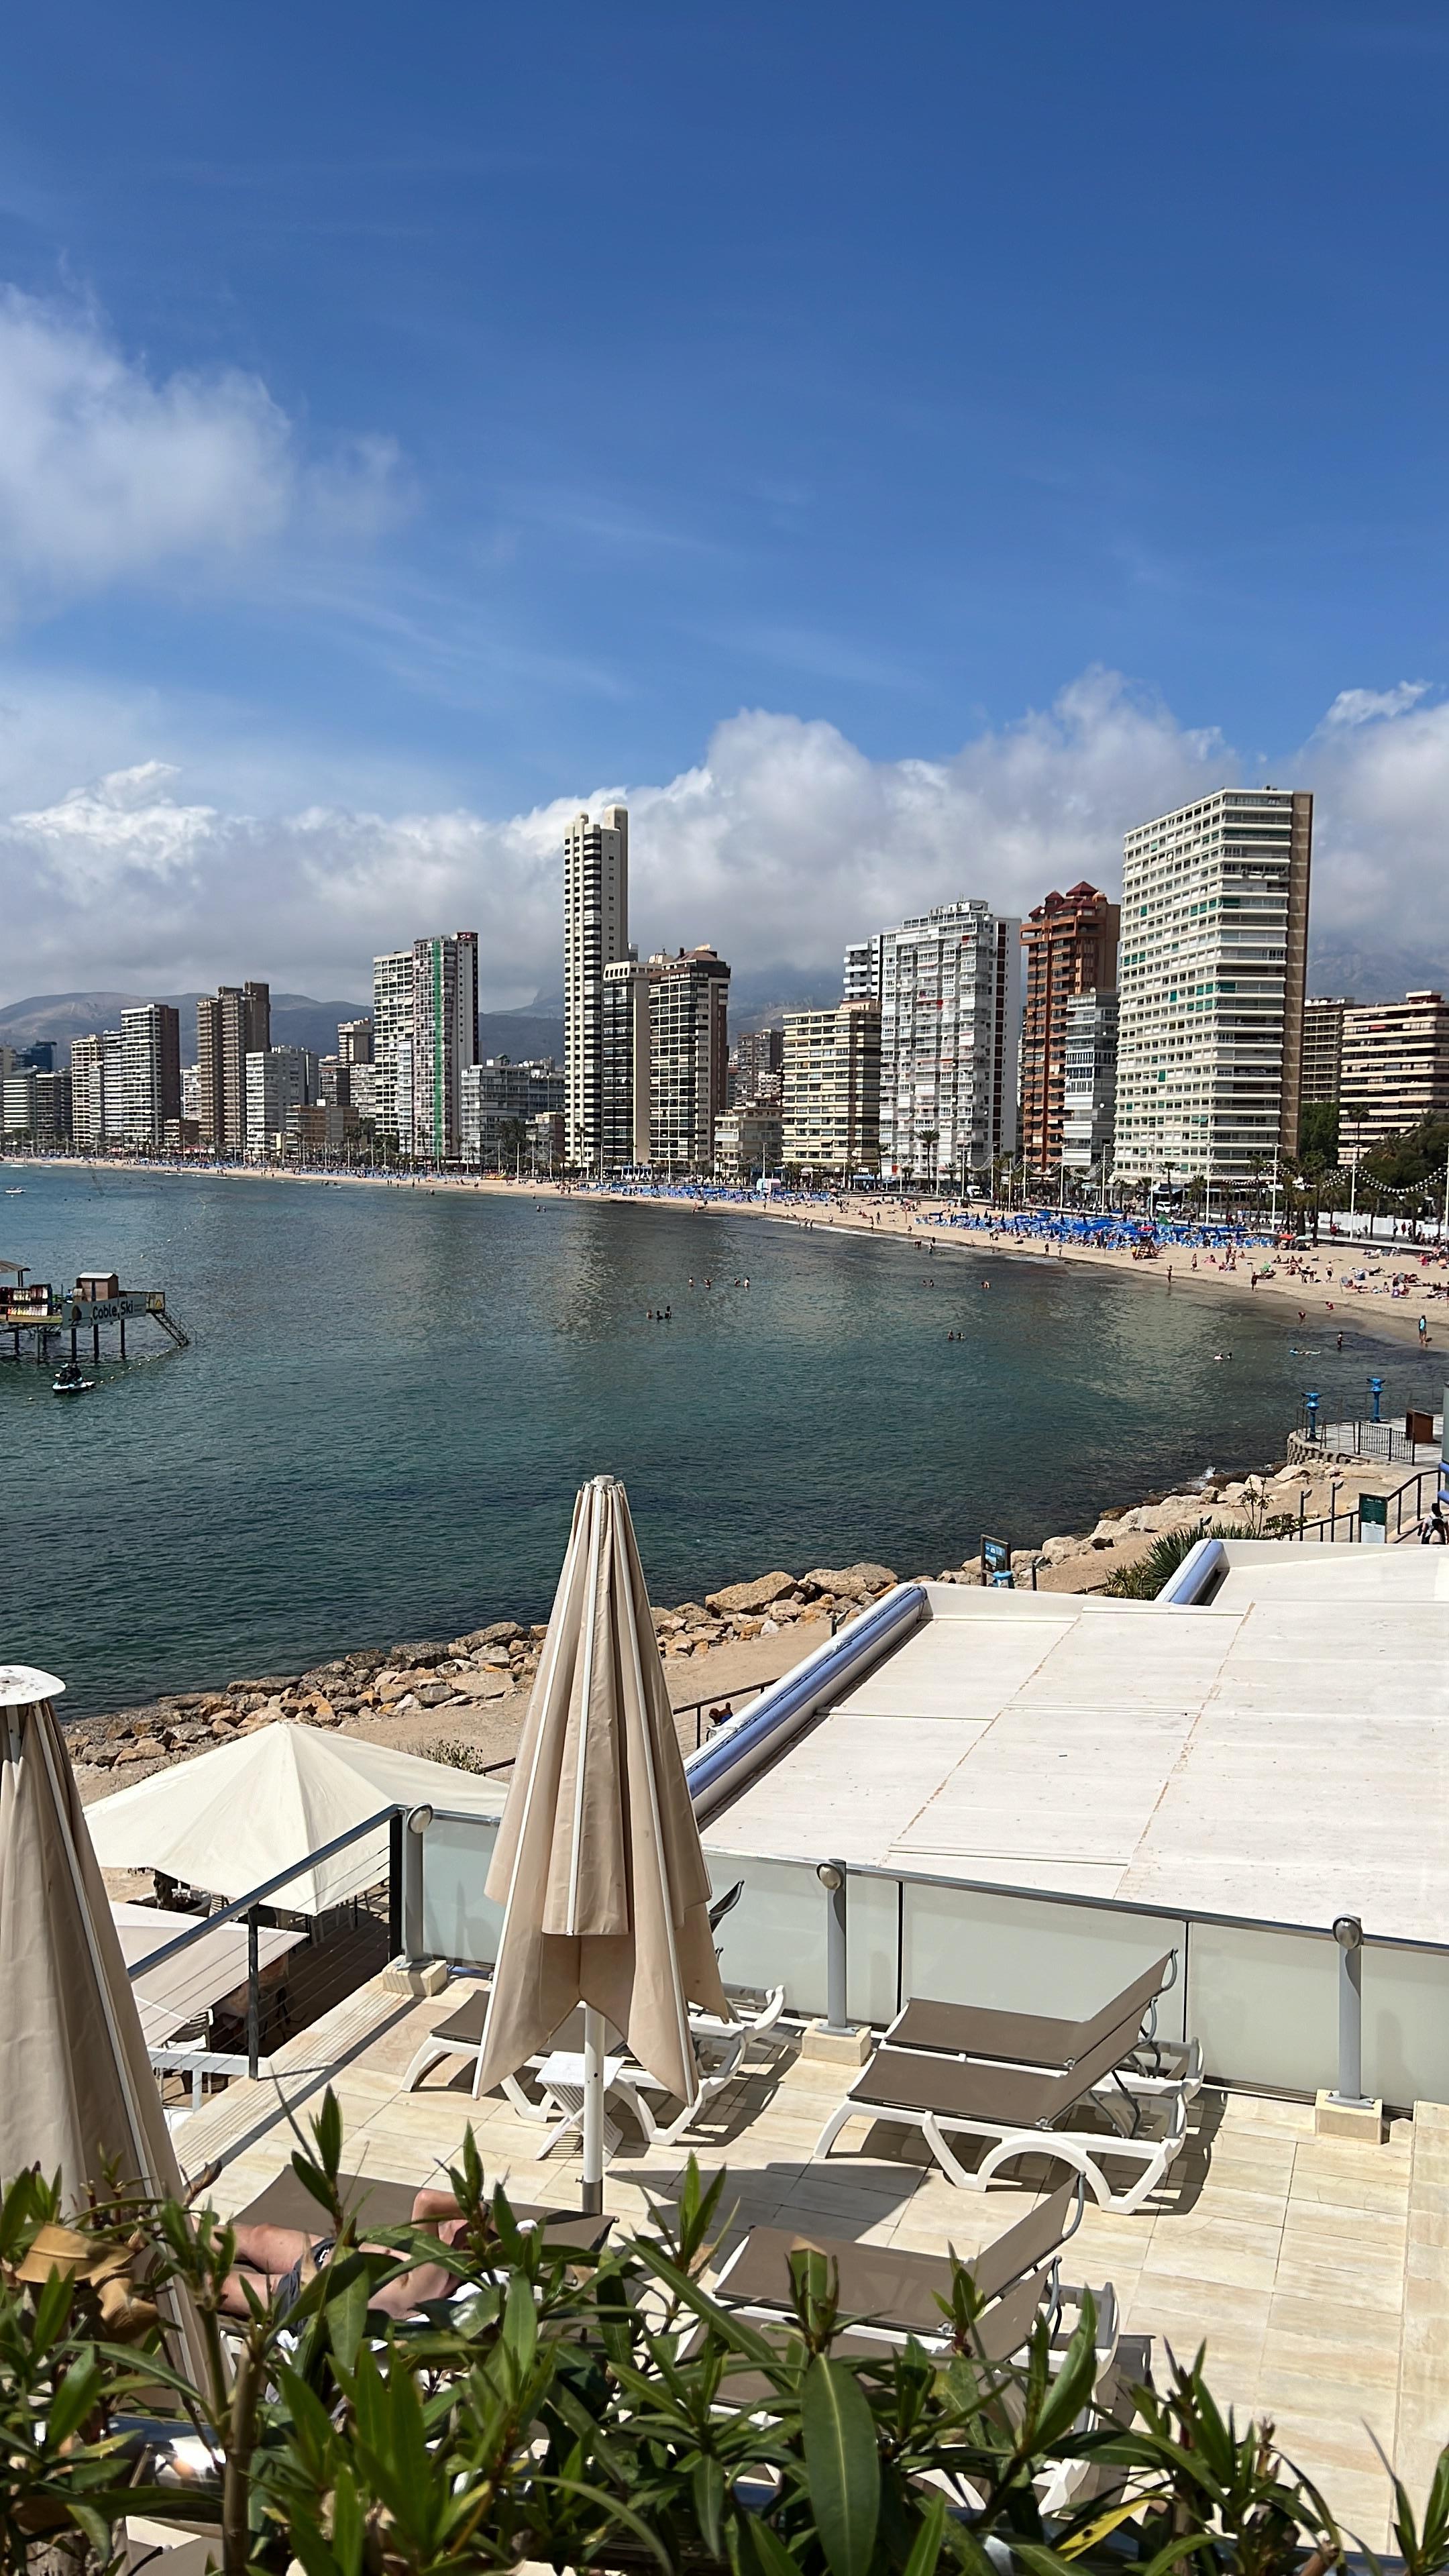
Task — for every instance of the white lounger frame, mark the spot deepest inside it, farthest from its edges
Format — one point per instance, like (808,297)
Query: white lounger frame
(1080,2148)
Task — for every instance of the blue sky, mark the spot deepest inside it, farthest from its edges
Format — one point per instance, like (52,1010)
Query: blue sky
(435,417)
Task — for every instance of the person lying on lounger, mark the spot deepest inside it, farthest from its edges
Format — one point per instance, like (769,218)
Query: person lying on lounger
(278,2262)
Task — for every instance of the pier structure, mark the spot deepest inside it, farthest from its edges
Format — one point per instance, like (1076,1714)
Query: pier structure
(35,1314)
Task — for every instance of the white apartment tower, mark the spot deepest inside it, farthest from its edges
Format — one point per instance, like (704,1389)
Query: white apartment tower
(392,1023)
(950,995)
(1211,982)
(596,934)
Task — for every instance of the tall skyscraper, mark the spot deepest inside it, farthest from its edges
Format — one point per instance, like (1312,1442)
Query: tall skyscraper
(444,1040)
(1323,1017)
(624,1065)
(88,1091)
(596,934)
(235,1024)
(151,1053)
(688,1056)
(862,970)
(1211,983)
(830,1089)
(950,1028)
(392,1028)
(1069,942)
(354,1041)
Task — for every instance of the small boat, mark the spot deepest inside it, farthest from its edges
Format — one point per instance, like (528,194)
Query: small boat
(15,1194)
(68,1381)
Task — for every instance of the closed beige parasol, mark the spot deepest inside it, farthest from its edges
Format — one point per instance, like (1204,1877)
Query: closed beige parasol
(78,2094)
(598,1865)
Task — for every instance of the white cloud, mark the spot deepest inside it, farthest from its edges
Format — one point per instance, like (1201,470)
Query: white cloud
(110,472)
(1366,706)
(785,841)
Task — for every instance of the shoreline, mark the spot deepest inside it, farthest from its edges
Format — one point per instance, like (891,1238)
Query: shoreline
(1293,1280)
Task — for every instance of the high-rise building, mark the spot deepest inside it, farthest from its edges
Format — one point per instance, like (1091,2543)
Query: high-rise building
(1395,1070)
(116,1129)
(39,1055)
(596,934)
(759,1055)
(863,970)
(354,1041)
(501,1101)
(1211,982)
(624,1065)
(1322,1046)
(830,1089)
(278,1079)
(17,1102)
(234,1024)
(1069,942)
(1089,1083)
(151,1070)
(392,1024)
(749,1141)
(444,1039)
(688,1056)
(88,1091)
(950,1030)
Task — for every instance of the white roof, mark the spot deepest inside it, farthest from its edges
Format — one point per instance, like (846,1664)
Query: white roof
(181,1989)
(1282,1753)
(232,1818)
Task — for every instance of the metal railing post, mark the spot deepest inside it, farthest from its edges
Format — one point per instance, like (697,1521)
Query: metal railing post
(832,1877)
(254,1997)
(1348,1933)
(419,1819)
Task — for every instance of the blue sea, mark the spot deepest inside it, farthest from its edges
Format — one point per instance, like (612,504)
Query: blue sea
(391,1396)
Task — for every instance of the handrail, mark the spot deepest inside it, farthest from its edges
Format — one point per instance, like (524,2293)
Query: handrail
(1158,1911)
(243,1904)
(737,1749)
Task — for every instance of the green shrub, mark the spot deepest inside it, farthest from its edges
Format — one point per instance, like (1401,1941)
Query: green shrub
(575,2409)
(1144,1580)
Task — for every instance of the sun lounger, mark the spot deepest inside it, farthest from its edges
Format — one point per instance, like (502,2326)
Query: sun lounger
(1019,2110)
(1034,2039)
(999,2334)
(286,2202)
(889,2285)
(719,2048)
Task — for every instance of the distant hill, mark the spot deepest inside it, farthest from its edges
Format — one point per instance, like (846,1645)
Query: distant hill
(519,1034)
(1371,973)
(296,1019)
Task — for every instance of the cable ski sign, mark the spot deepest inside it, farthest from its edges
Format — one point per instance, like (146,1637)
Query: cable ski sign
(109,1310)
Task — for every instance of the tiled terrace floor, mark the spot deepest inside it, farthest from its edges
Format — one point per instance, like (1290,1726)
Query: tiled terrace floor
(1316,2270)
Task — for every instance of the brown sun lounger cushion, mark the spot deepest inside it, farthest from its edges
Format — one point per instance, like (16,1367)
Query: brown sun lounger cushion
(892,2285)
(285,2202)
(1010,2097)
(1030,2039)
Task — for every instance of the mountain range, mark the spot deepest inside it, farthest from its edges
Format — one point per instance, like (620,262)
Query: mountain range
(759,998)
(297,1020)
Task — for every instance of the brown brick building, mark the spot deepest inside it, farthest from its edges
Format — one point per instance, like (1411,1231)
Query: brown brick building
(1071,947)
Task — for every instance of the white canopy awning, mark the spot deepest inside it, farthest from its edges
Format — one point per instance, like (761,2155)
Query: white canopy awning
(229,1820)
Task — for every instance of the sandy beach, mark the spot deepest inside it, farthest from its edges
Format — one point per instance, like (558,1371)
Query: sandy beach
(1343,1284)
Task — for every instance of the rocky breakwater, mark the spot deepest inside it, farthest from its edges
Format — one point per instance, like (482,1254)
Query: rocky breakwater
(432,1695)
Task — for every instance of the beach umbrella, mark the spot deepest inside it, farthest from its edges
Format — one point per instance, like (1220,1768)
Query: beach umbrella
(79,2096)
(598,1865)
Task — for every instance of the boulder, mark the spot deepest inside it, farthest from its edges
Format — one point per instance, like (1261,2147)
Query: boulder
(499,1632)
(871,1578)
(762,1594)
(1054,1551)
